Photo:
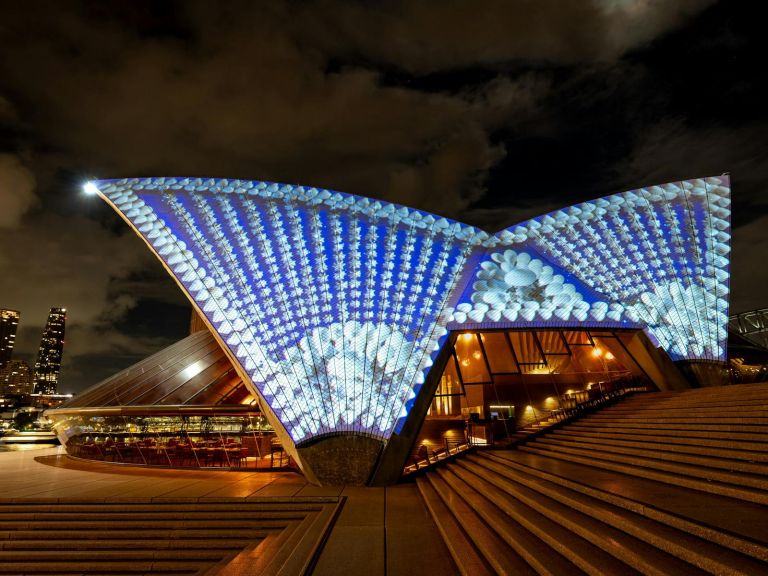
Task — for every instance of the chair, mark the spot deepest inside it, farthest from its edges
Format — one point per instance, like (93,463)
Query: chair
(276,446)
(237,456)
(109,450)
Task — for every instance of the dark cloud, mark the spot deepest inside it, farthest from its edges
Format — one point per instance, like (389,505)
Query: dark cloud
(7,112)
(749,276)
(17,190)
(423,37)
(250,101)
(673,150)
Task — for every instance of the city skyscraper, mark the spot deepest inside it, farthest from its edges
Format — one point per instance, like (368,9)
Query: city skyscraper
(49,356)
(9,322)
(16,378)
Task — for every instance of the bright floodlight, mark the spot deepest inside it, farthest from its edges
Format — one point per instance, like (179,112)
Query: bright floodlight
(90,188)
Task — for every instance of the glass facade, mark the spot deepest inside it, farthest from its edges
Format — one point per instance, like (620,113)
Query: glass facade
(192,439)
(183,407)
(496,383)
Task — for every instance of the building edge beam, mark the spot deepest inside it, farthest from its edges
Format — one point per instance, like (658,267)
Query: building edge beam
(392,460)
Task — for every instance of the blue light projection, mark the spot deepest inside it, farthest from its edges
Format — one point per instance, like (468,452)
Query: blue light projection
(335,306)
(655,258)
(331,303)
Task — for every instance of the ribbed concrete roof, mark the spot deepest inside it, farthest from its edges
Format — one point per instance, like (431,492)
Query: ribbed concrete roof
(193,371)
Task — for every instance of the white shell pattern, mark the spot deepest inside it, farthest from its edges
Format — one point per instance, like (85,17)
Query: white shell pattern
(657,255)
(331,303)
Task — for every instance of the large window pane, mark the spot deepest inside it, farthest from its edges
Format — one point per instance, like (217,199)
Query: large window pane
(577,337)
(471,361)
(449,381)
(498,352)
(552,342)
(526,348)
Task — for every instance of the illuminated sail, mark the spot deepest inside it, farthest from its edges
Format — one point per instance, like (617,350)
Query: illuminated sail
(329,302)
(655,258)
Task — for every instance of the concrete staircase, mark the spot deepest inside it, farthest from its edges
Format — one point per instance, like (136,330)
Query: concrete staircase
(662,483)
(163,536)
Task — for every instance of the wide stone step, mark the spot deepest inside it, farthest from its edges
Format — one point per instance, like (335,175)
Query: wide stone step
(495,551)
(714,487)
(690,398)
(724,404)
(126,544)
(732,523)
(754,432)
(30,506)
(689,412)
(138,555)
(683,402)
(757,407)
(191,535)
(466,556)
(746,389)
(98,567)
(107,525)
(140,517)
(738,419)
(524,530)
(760,402)
(650,460)
(751,451)
(659,452)
(642,542)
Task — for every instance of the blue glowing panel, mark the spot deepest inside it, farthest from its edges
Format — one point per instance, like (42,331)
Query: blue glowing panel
(332,304)
(655,257)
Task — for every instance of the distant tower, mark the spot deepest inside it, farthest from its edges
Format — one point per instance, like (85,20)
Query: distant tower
(49,356)
(16,378)
(9,321)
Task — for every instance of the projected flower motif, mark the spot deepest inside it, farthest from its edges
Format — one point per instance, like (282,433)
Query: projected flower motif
(687,322)
(513,285)
(358,372)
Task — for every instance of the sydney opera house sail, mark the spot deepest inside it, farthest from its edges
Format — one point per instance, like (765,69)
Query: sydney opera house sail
(334,307)
(329,302)
(654,258)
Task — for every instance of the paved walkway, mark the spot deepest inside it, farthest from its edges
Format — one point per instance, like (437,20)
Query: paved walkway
(49,473)
(379,531)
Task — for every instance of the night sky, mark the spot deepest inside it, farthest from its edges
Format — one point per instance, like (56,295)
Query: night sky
(487,112)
